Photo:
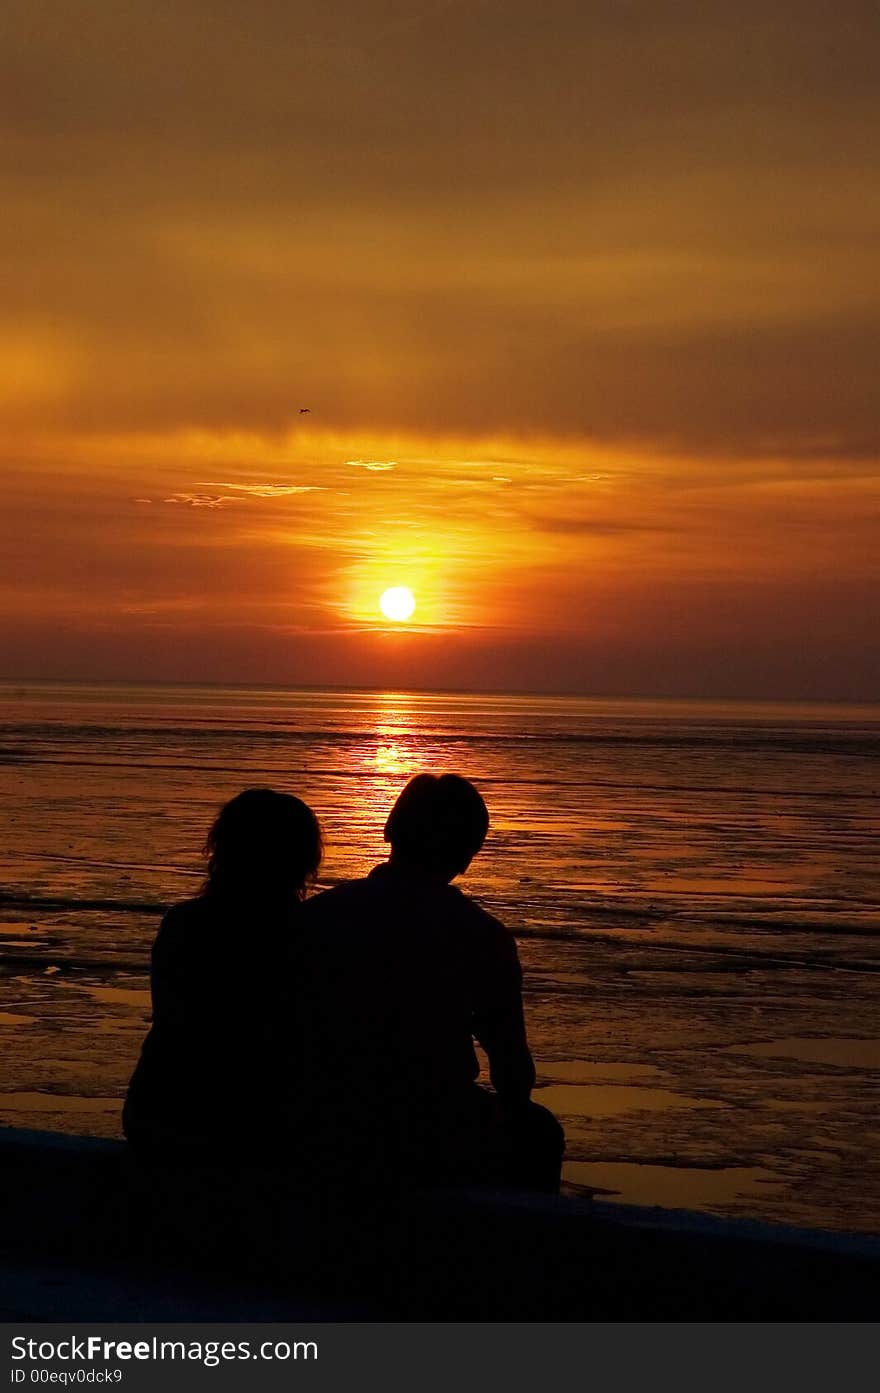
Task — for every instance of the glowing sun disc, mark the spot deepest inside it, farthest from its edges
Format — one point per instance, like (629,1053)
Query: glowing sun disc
(398,603)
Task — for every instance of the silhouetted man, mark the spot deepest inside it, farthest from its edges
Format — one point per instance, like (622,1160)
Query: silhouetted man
(399,974)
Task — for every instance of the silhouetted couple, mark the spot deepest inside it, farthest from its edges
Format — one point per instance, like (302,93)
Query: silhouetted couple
(336,1035)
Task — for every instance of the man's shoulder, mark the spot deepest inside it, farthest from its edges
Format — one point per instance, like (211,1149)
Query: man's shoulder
(479,918)
(381,898)
(335,894)
(492,929)
(379,888)
(337,900)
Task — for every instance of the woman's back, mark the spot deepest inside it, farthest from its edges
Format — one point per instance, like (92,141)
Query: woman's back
(216,1072)
(216,1067)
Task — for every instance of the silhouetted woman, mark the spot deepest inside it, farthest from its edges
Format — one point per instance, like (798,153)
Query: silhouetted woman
(215,1073)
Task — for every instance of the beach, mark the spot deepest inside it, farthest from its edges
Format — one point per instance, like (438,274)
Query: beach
(695,890)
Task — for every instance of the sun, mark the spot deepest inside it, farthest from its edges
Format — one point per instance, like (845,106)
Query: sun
(398,603)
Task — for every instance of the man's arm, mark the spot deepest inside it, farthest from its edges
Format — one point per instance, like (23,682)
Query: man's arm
(498,1023)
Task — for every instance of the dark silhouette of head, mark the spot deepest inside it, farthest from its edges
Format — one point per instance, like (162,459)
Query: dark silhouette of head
(264,845)
(437,825)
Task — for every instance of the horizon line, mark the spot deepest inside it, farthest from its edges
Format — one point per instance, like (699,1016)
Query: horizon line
(561,694)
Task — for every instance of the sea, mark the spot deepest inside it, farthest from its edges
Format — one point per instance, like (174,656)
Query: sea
(694,887)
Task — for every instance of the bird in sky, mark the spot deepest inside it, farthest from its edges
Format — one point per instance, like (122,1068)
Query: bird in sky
(305,411)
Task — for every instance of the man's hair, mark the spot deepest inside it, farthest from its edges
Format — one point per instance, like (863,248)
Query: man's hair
(438,823)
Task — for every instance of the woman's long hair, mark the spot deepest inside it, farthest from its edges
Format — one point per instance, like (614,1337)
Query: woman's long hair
(263,845)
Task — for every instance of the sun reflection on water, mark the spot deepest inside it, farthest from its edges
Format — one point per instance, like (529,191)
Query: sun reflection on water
(390,758)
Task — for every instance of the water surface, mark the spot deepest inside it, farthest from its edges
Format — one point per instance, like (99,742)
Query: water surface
(695,888)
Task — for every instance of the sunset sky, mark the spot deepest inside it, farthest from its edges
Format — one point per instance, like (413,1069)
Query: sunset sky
(583,299)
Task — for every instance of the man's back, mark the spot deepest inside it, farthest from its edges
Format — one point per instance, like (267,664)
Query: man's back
(397,974)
